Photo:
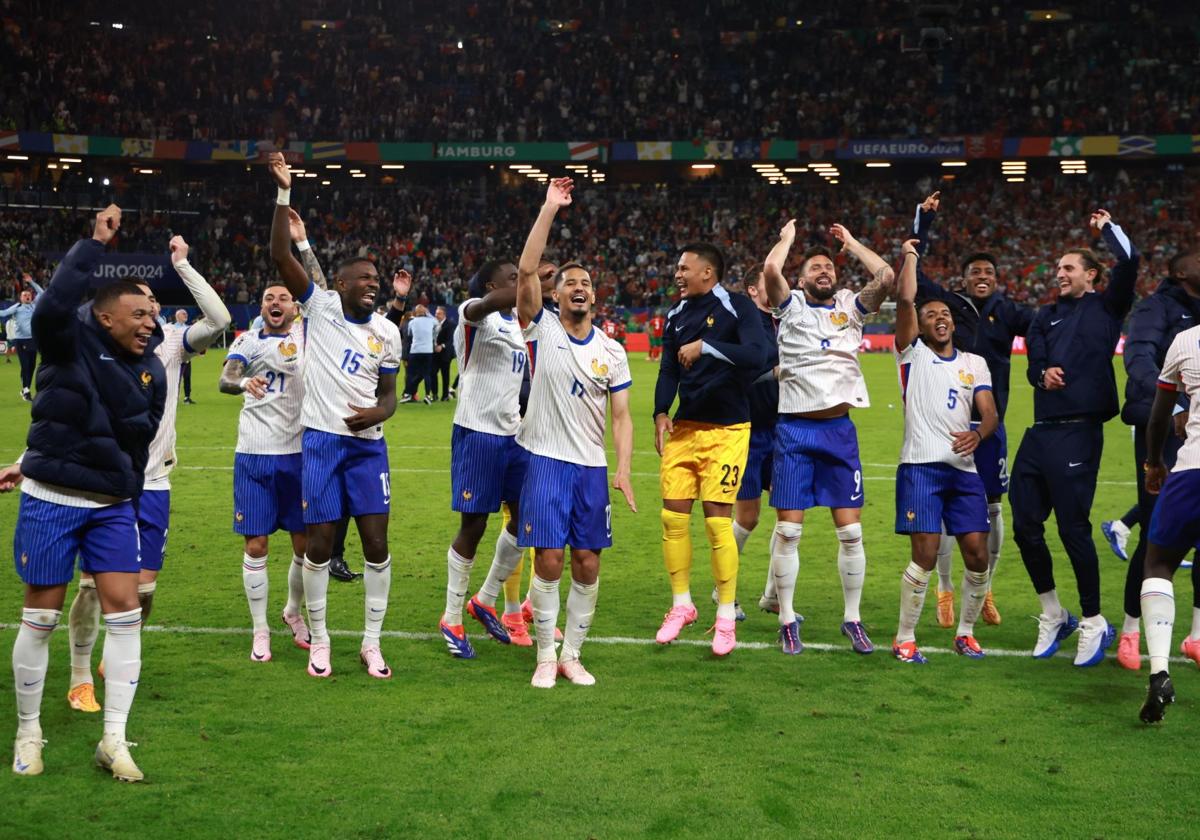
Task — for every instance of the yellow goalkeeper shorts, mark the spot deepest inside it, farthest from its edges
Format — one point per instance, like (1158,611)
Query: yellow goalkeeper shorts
(704,461)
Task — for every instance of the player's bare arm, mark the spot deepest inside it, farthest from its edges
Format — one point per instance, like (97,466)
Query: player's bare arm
(622,428)
(307,256)
(777,286)
(234,381)
(882,276)
(364,417)
(1156,438)
(529,285)
(906,296)
(216,318)
(10,477)
(966,442)
(290,270)
(505,300)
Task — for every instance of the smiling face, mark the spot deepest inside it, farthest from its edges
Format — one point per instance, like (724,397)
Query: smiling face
(936,325)
(818,277)
(278,308)
(694,276)
(358,283)
(1075,279)
(979,279)
(130,320)
(574,292)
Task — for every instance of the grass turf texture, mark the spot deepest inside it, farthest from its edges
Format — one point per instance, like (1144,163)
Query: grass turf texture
(670,742)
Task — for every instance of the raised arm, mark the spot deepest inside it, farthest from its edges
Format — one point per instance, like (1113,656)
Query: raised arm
(37,290)
(216,318)
(529,286)
(290,270)
(906,296)
(1119,293)
(307,256)
(622,427)
(54,316)
(923,221)
(777,286)
(882,276)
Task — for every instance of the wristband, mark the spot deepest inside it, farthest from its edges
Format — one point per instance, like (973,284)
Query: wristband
(303,246)
(242,382)
(283,197)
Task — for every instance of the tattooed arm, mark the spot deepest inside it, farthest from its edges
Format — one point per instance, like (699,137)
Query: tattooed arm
(882,276)
(234,381)
(307,256)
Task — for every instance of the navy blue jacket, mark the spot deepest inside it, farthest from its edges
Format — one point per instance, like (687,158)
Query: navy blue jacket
(1152,327)
(97,407)
(733,356)
(764,392)
(984,328)
(1080,335)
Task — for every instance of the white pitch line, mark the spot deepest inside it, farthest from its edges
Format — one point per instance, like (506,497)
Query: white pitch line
(632,641)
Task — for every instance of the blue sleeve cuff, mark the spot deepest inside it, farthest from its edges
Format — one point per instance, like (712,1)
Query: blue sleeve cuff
(620,387)
(861,308)
(538,317)
(384,371)
(237,357)
(187,348)
(983,387)
(785,302)
(308,293)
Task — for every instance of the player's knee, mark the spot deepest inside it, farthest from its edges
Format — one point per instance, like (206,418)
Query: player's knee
(674,525)
(1029,536)
(719,530)
(747,520)
(850,535)
(256,546)
(787,534)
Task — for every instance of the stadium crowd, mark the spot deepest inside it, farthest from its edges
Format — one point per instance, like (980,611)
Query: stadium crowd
(442,234)
(527,70)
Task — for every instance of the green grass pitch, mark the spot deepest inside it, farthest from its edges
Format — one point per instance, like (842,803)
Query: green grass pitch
(671,742)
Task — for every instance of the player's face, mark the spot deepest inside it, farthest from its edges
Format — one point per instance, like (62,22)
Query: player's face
(278,307)
(359,283)
(1074,280)
(819,277)
(694,276)
(758,292)
(180,316)
(936,324)
(980,278)
(504,277)
(26,297)
(148,292)
(574,292)
(130,322)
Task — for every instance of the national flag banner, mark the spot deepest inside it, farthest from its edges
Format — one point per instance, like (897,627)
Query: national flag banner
(688,150)
(326,150)
(1173,144)
(1195,144)
(198,150)
(1100,144)
(1034,146)
(718,150)
(585,150)
(170,149)
(137,147)
(363,152)
(1135,145)
(658,150)
(71,144)
(748,149)
(624,150)
(235,150)
(106,146)
(10,140)
(1066,146)
(37,141)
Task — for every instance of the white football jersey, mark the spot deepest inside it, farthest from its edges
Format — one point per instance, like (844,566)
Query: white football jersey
(818,353)
(270,425)
(568,398)
(491,364)
(344,359)
(173,352)
(1181,371)
(938,395)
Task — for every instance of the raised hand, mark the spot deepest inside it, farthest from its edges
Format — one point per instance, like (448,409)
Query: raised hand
(179,249)
(296,226)
(787,233)
(932,201)
(1099,219)
(558,193)
(278,168)
(842,235)
(910,247)
(401,283)
(108,222)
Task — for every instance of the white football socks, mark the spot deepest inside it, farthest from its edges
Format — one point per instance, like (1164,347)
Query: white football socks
(995,538)
(1131,624)
(740,535)
(945,562)
(852,565)
(785,567)
(316,590)
(377,583)
(254,581)
(295,586)
(913,585)
(458,579)
(504,563)
(1158,612)
(975,589)
(543,599)
(30,659)
(122,668)
(83,628)
(581,606)
(1195,634)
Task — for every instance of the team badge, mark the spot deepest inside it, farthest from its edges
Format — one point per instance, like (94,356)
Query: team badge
(599,371)
(24,559)
(528,527)
(466,494)
(967,379)
(238,516)
(911,515)
(304,504)
(374,344)
(992,319)
(840,320)
(710,320)
(288,349)
(146,379)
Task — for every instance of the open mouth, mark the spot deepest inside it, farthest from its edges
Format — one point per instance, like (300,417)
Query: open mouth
(578,298)
(368,298)
(274,312)
(981,288)
(141,341)
(941,330)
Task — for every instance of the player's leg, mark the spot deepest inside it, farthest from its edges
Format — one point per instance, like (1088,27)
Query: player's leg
(154,522)
(544,599)
(1190,646)
(513,618)
(991,461)
(680,485)
(324,504)
(945,584)
(722,453)
(83,628)
(254,517)
(964,501)
(785,568)
(1029,495)
(792,485)
(27,356)
(1129,646)
(581,606)
(547,500)
(377,584)
(510,465)
(974,548)
(919,515)
(289,504)
(1071,492)
(471,467)
(339,569)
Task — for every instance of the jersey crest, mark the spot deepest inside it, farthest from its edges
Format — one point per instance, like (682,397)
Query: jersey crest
(966,378)
(288,350)
(599,371)
(374,345)
(841,320)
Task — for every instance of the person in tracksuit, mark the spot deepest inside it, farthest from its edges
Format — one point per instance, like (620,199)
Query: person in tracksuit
(1173,308)
(1070,347)
(21,313)
(985,323)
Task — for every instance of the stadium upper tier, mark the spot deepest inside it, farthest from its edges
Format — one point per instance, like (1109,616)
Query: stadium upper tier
(523,71)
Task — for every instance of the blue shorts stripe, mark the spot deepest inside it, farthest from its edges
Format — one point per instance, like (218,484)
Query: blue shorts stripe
(991,461)
(344,476)
(267,494)
(564,504)
(485,470)
(759,461)
(49,537)
(1174,523)
(929,496)
(816,464)
(154,520)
